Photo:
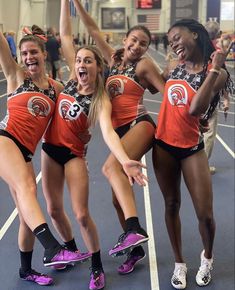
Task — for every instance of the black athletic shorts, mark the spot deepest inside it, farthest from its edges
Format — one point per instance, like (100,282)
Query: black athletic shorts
(121,131)
(60,154)
(25,152)
(177,152)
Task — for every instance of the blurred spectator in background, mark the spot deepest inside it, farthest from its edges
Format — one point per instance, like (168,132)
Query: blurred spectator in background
(107,38)
(165,42)
(77,40)
(213,29)
(53,55)
(11,41)
(156,41)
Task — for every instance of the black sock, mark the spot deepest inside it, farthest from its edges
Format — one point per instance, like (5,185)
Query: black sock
(48,241)
(132,224)
(96,263)
(71,245)
(45,237)
(138,251)
(25,261)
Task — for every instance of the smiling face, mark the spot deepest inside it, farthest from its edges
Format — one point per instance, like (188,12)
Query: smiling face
(183,42)
(136,44)
(32,57)
(86,68)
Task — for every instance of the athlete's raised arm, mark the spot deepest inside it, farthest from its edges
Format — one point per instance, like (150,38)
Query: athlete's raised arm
(10,68)
(66,36)
(94,31)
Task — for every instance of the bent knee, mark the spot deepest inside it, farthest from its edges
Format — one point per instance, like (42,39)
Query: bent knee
(109,168)
(24,188)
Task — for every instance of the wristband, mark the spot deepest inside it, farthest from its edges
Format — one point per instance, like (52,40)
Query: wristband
(215,71)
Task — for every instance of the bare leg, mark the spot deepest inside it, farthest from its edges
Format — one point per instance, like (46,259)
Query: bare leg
(53,189)
(18,175)
(26,237)
(135,147)
(77,179)
(168,174)
(119,211)
(198,180)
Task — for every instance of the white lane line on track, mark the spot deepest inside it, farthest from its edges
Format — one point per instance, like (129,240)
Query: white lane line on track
(14,214)
(8,223)
(230,151)
(151,243)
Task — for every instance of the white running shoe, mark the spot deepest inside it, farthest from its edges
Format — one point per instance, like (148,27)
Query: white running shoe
(178,280)
(203,276)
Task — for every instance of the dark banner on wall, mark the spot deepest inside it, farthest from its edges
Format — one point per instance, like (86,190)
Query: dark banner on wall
(213,10)
(183,9)
(113,18)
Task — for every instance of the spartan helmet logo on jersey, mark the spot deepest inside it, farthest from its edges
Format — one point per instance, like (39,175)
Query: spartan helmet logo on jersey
(64,107)
(39,107)
(177,95)
(115,87)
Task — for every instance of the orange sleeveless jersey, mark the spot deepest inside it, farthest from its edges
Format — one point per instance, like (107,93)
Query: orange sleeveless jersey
(29,110)
(176,126)
(69,127)
(126,95)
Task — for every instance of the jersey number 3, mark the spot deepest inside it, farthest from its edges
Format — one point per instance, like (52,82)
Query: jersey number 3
(74,111)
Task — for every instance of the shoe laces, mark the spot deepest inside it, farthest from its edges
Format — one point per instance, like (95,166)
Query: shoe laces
(206,267)
(121,239)
(128,259)
(96,274)
(180,272)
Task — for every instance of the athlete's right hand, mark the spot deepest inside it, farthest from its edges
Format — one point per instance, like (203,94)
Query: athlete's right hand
(133,170)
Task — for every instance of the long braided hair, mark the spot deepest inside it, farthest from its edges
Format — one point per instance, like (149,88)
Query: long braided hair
(207,48)
(203,40)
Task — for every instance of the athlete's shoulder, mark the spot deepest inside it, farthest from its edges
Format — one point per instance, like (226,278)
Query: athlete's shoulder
(58,86)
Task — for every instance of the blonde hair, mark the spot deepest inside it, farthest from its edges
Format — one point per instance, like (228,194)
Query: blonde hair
(11,32)
(99,94)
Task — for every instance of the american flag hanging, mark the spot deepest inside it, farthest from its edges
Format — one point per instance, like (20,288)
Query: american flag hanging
(151,21)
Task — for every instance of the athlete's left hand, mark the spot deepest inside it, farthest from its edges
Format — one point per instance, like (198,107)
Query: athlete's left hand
(204,126)
(219,56)
(133,171)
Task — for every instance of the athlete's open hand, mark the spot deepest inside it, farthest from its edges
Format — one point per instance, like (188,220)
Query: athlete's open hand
(133,171)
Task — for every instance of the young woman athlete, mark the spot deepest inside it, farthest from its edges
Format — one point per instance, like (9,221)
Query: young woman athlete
(30,105)
(192,83)
(128,79)
(79,105)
